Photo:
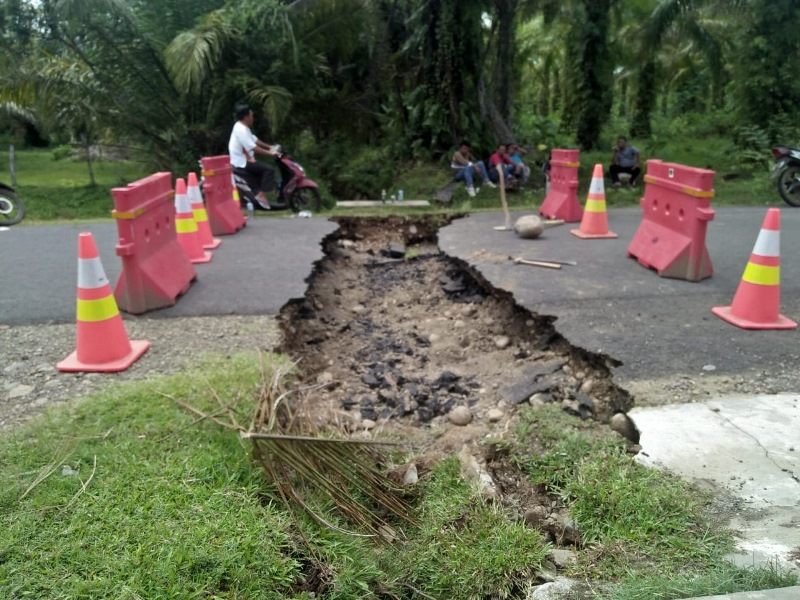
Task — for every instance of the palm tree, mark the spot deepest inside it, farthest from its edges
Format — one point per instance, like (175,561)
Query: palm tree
(677,34)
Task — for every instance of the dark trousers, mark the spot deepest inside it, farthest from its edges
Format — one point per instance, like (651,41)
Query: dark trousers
(615,170)
(264,174)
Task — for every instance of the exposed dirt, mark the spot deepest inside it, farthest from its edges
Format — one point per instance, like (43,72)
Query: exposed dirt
(408,339)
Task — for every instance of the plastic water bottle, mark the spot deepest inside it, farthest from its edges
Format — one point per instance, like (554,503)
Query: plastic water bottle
(250,214)
(399,195)
(383,196)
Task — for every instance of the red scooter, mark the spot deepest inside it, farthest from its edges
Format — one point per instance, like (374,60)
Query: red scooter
(295,190)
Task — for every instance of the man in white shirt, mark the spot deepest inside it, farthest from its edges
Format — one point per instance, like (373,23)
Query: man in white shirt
(242,148)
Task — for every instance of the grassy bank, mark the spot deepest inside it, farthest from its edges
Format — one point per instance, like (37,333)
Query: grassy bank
(60,188)
(127,495)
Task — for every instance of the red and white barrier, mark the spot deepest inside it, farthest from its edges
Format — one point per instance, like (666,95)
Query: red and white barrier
(155,269)
(562,201)
(224,213)
(676,209)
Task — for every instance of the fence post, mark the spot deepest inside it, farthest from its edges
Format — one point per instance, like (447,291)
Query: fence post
(12,166)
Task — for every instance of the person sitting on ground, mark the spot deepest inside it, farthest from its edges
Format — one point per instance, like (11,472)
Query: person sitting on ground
(515,153)
(626,159)
(465,168)
(243,146)
(501,158)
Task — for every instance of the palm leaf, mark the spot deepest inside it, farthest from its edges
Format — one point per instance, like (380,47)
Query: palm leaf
(193,55)
(311,469)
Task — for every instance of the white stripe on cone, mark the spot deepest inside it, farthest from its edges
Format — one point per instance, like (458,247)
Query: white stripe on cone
(193,193)
(182,204)
(597,186)
(768,243)
(91,274)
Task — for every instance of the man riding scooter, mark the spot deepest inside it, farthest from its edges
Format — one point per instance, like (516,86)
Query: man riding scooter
(243,146)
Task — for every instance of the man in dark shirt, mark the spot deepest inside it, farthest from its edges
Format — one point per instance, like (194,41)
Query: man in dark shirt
(626,159)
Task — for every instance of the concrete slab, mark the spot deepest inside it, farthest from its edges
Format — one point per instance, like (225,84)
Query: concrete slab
(360,203)
(747,446)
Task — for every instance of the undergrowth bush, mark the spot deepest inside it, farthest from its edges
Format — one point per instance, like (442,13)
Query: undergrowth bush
(353,172)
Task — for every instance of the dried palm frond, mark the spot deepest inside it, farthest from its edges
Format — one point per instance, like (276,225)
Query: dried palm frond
(304,462)
(343,470)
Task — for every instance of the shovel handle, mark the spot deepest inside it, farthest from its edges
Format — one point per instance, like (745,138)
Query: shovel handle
(537,263)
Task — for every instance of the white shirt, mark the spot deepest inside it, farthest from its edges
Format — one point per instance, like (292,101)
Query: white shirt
(241,144)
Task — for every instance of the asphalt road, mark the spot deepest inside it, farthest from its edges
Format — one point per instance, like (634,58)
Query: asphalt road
(608,303)
(255,271)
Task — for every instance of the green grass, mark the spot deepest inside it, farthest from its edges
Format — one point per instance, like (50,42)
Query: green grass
(169,509)
(60,189)
(125,495)
(465,549)
(643,528)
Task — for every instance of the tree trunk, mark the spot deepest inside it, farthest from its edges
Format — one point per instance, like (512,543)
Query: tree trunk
(504,64)
(87,149)
(595,72)
(491,116)
(645,100)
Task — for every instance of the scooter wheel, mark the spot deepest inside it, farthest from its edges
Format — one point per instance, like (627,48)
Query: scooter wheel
(789,185)
(306,198)
(12,211)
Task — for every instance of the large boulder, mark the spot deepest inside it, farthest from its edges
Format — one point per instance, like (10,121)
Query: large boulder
(529,227)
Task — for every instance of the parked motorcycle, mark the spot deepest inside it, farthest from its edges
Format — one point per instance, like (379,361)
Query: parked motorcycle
(12,210)
(787,171)
(295,190)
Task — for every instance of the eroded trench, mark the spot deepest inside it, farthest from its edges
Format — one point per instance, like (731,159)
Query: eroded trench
(399,335)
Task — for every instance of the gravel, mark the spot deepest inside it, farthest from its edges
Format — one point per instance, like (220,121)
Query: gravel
(30,382)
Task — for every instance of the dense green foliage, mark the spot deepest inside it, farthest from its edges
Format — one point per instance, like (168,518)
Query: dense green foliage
(360,85)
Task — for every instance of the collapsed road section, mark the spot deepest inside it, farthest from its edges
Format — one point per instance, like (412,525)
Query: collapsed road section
(402,335)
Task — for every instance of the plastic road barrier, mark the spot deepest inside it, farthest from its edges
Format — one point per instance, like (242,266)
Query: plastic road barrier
(155,269)
(675,213)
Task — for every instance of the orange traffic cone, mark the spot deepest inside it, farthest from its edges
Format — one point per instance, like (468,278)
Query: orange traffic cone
(594,224)
(207,240)
(102,342)
(756,304)
(186,227)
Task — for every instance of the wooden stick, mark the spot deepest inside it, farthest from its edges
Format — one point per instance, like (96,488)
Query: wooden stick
(537,263)
(562,262)
(554,222)
(502,180)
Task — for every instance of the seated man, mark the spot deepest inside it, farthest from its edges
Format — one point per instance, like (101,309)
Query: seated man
(515,153)
(241,148)
(465,167)
(626,159)
(501,158)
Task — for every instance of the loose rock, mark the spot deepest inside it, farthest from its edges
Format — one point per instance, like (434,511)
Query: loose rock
(411,476)
(624,425)
(502,341)
(529,227)
(494,415)
(460,415)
